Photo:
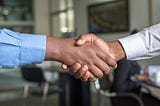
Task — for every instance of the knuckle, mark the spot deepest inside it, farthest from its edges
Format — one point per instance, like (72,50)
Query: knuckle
(107,71)
(91,34)
(113,63)
(99,75)
(85,68)
(76,66)
(110,61)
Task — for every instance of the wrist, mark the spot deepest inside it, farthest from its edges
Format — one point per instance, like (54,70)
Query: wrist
(53,49)
(116,50)
(60,50)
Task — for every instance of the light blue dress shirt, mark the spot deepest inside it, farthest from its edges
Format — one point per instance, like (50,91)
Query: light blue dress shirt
(18,49)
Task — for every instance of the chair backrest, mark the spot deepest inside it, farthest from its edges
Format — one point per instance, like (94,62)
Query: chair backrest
(120,99)
(32,74)
(126,99)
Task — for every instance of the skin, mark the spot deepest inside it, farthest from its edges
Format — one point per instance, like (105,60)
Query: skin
(114,49)
(93,59)
(144,76)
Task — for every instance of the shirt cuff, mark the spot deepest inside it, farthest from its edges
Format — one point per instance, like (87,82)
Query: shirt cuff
(33,49)
(134,47)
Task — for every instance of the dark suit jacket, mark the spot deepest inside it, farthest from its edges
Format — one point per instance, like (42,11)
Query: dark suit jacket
(122,76)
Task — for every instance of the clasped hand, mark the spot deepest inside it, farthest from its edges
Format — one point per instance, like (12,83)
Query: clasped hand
(98,58)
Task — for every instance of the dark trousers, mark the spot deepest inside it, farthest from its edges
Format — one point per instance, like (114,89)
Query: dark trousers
(73,92)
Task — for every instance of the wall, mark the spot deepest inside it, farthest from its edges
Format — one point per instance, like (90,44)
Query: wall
(156,8)
(41,10)
(138,14)
(139,19)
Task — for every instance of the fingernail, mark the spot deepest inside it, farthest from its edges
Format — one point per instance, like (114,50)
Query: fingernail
(84,68)
(115,66)
(64,67)
(78,65)
(80,41)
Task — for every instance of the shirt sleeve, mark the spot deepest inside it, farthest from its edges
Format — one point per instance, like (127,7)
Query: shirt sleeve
(18,49)
(142,45)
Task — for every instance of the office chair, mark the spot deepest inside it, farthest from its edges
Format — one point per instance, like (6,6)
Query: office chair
(119,99)
(35,75)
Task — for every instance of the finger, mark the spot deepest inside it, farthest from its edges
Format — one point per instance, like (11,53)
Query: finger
(81,72)
(85,38)
(87,76)
(106,58)
(64,67)
(96,71)
(92,79)
(102,66)
(74,68)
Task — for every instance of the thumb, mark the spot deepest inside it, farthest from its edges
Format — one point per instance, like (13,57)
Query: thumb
(84,38)
(80,42)
(64,67)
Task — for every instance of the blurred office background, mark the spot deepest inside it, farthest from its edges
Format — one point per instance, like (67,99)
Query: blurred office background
(69,18)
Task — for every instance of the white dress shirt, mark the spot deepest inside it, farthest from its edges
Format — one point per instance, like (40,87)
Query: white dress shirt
(142,45)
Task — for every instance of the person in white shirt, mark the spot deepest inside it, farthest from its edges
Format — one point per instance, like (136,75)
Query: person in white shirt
(142,45)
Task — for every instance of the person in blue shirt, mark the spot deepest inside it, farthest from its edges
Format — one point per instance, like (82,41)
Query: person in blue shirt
(17,49)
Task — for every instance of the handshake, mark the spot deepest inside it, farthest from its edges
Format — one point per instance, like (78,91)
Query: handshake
(87,57)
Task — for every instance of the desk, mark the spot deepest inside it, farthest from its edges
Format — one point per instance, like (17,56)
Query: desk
(149,83)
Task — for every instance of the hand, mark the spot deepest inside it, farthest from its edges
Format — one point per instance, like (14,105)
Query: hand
(107,47)
(77,69)
(114,49)
(144,76)
(88,55)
